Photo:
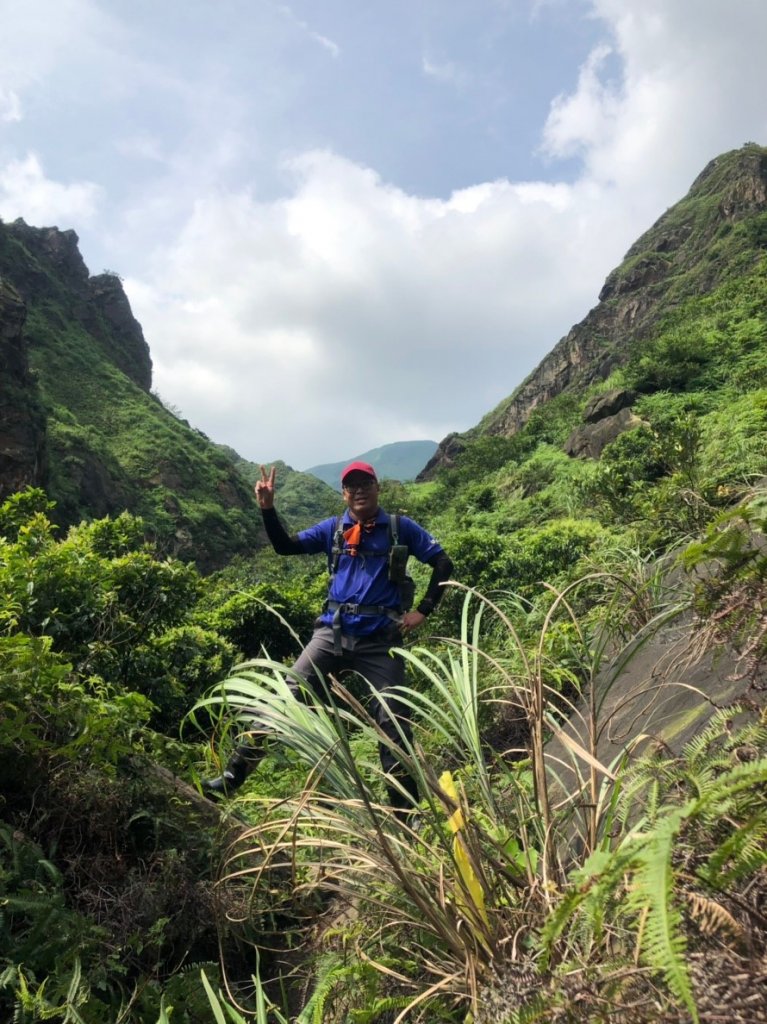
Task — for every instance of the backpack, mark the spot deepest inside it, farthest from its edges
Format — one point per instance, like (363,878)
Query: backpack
(397,559)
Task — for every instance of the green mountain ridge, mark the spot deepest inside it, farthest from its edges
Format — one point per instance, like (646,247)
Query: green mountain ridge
(716,232)
(400,460)
(81,420)
(303,498)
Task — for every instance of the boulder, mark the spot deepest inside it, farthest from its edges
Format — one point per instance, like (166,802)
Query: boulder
(587,441)
(607,404)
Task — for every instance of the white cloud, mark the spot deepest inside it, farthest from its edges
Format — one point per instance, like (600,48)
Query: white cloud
(333,48)
(582,120)
(690,85)
(10,105)
(328,44)
(26,192)
(443,71)
(40,37)
(346,312)
(142,146)
(350,313)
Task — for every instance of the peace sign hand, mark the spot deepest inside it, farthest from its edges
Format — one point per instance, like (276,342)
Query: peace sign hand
(265,488)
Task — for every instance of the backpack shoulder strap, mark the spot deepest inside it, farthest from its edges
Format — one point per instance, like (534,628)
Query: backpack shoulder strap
(338,545)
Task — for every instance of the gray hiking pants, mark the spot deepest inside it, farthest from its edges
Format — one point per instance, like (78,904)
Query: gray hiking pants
(369,657)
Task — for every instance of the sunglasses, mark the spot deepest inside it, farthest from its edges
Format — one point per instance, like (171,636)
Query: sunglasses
(360,485)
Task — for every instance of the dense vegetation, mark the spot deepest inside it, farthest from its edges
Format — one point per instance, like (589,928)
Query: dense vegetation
(546,878)
(105,647)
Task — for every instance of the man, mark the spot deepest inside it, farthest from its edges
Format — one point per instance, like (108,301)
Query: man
(363,617)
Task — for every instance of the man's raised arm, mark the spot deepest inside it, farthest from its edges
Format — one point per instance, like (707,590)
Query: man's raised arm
(279,538)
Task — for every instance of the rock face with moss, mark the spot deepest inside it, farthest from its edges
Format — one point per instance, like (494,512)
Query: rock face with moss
(716,232)
(22,421)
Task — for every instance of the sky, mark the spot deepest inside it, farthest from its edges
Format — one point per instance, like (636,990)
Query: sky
(343,223)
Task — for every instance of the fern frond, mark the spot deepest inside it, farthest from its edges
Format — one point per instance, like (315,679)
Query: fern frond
(592,888)
(331,972)
(646,784)
(698,750)
(383,1005)
(652,895)
(557,921)
(535,1009)
(741,854)
(739,778)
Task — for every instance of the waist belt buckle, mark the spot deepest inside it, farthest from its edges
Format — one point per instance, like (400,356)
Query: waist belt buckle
(351,609)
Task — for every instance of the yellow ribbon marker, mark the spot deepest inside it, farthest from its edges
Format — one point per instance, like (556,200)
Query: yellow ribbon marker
(472,884)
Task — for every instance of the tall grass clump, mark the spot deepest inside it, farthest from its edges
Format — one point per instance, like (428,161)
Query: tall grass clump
(516,888)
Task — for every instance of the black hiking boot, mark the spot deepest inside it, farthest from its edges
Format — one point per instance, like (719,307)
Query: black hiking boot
(238,768)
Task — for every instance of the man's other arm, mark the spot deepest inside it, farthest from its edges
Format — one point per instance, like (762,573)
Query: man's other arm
(441,569)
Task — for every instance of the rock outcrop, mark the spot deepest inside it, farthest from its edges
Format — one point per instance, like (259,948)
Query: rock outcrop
(605,417)
(78,418)
(22,421)
(588,440)
(444,456)
(608,403)
(109,318)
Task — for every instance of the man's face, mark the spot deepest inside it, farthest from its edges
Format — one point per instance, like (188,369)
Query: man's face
(361,495)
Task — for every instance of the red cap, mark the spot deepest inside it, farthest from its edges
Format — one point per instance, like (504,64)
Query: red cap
(359,467)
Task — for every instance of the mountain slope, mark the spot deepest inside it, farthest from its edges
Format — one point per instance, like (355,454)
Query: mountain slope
(580,555)
(78,418)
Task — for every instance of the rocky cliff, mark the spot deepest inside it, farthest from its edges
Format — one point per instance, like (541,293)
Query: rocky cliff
(689,250)
(52,270)
(22,420)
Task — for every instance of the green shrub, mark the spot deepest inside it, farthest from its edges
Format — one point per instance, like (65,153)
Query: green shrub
(20,508)
(733,444)
(547,554)
(269,615)
(676,361)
